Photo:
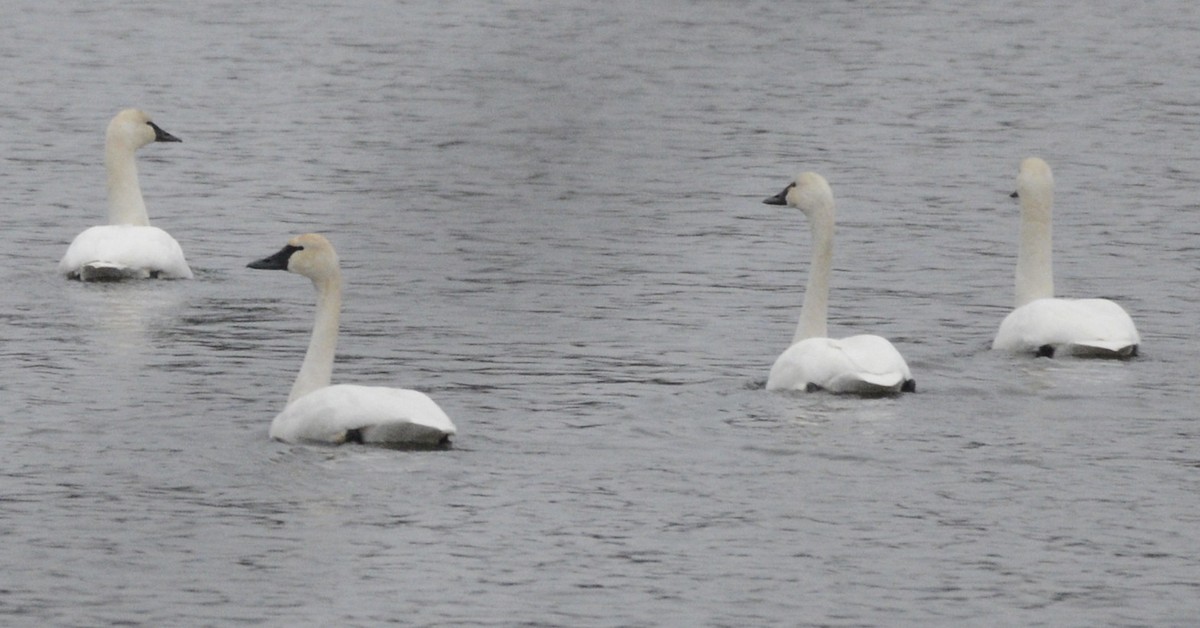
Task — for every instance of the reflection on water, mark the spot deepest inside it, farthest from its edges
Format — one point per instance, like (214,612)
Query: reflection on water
(123,316)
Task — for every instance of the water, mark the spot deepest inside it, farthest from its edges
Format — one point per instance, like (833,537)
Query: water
(549,219)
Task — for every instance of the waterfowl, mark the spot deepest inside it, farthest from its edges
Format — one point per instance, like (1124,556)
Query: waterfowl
(320,412)
(863,364)
(1042,324)
(128,247)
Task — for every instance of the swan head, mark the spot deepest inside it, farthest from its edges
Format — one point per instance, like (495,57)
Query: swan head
(133,129)
(1035,184)
(809,192)
(310,255)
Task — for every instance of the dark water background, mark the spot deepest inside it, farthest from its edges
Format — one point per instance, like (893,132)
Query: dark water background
(549,219)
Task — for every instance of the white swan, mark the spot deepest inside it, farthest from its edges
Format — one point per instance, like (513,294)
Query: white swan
(864,364)
(319,412)
(1042,324)
(128,247)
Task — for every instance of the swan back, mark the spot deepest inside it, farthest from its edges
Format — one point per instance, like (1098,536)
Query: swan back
(1035,270)
(1080,327)
(368,414)
(865,364)
(117,252)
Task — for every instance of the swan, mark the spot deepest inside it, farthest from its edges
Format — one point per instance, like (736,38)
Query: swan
(863,364)
(319,412)
(1040,323)
(128,247)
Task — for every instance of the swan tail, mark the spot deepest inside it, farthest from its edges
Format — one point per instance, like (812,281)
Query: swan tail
(877,367)
(1105,349)
(408,434)
(108,271)
(874,384)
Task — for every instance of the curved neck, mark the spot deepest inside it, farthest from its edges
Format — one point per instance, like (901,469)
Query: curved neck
(125,204)
(813,313)
(1035,272)
(317,370)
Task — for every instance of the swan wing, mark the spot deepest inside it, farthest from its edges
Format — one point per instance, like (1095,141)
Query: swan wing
(125,251)
(865,364)
(1095,327)
(375,414)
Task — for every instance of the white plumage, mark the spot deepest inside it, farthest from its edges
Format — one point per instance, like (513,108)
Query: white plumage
(110,252)
(863,364)
(1081,327)
(128,247)
(1042,324)
(320,412)
(369,414)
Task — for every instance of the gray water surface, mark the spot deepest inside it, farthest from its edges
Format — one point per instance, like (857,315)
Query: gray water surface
(549,219)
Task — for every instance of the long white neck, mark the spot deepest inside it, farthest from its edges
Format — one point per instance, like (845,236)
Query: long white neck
(814,312)
(125,204)
(317,370)
(1035,272)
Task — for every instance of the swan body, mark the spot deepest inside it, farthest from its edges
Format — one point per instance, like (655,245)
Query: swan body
(864,364)
(367,414)
(1040,323)
(320,412)
(1079,327)
(128,247)
(114,252)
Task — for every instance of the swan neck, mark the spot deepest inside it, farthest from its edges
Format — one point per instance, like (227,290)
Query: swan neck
(317,370)
(814,311)
(125,204)
(1035,270)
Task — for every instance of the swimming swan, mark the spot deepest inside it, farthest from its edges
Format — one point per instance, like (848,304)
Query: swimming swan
(864,364)
(319,412)
(1042,324)
(128,247)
